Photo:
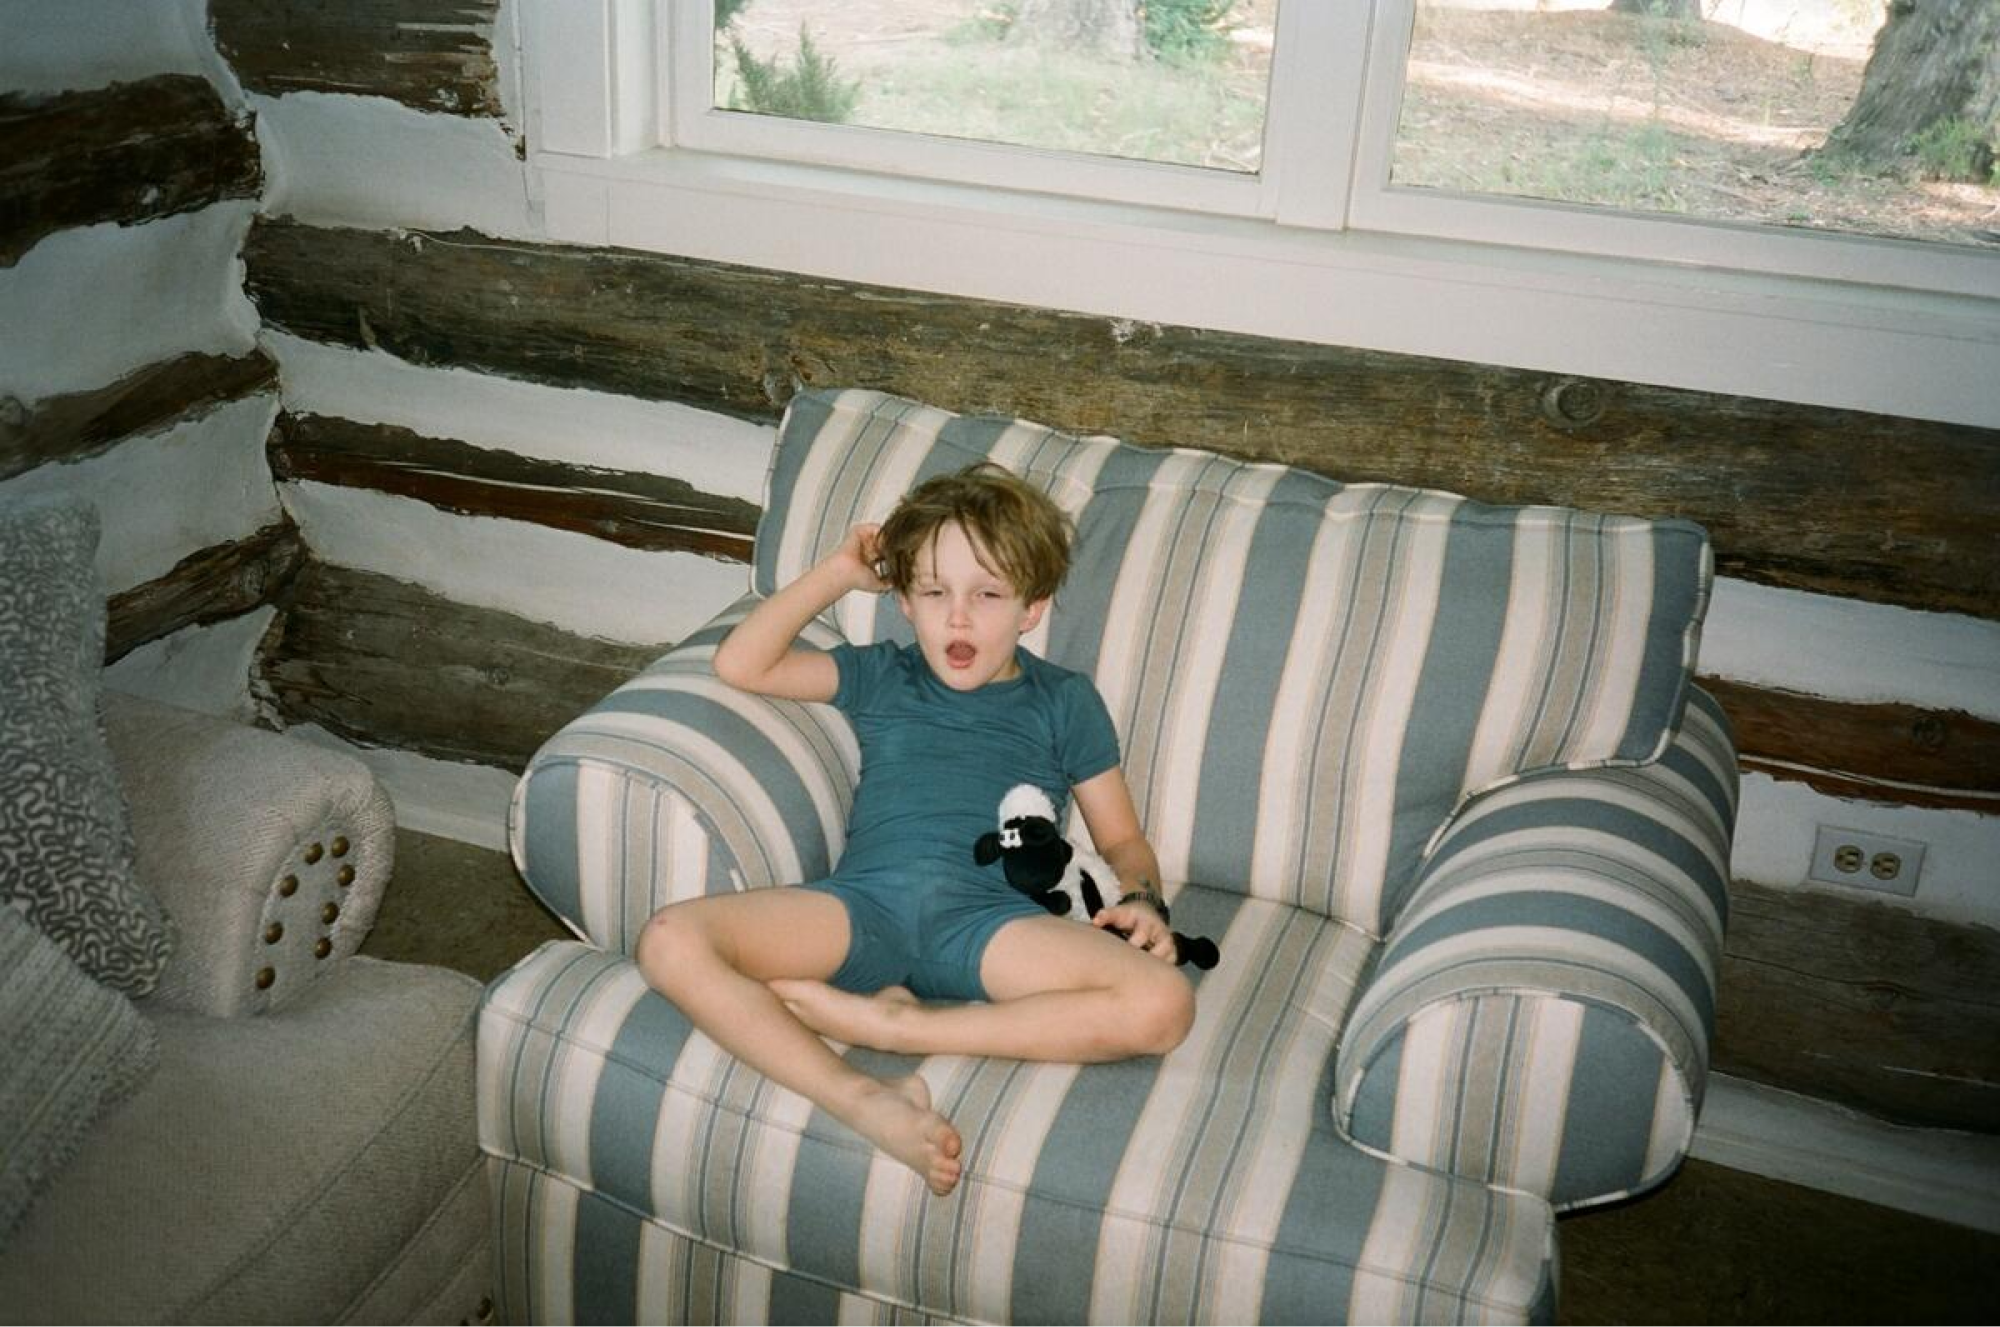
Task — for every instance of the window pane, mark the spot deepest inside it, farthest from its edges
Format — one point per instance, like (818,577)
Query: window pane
(1178,81)
(1729,110)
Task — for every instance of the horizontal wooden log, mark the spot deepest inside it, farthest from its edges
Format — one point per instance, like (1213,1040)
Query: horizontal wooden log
(434,55)
(1888,510)
(1881,752)
(83,424)
(1864,1003)
(126,153)
(636,510)
(213,585)
(385,663)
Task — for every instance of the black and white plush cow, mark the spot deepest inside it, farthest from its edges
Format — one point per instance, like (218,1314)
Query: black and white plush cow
(1067,880)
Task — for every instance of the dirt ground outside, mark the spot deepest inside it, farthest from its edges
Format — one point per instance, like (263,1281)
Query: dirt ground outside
(1555,99)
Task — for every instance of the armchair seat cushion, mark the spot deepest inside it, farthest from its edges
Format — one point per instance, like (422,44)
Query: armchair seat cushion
(266,1140)
(1208,1185)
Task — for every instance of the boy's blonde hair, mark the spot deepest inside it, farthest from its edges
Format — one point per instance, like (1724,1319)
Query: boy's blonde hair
(1010,521)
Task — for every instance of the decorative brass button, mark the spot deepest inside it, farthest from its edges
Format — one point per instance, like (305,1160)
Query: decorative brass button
(314,853)
(274,933)
(288,886)
(323,948)
(265,976)
(345,876)
(329,912)
(340,846)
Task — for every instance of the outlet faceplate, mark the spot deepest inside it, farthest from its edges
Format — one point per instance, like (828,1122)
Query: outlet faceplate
(1860,860)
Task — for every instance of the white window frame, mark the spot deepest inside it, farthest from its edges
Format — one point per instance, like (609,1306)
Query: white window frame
(1319,248)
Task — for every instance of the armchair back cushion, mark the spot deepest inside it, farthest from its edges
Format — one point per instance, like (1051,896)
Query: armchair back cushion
(1307,677)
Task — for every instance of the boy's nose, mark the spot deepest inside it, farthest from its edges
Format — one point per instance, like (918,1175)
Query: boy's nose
(961,612)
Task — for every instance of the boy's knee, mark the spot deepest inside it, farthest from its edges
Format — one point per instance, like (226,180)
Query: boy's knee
(1163,1013)
(668,943)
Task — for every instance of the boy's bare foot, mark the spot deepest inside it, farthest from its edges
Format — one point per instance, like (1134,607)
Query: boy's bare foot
(898,1118)
(858,1020)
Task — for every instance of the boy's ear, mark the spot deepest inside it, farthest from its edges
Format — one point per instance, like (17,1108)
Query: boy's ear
(1034,618)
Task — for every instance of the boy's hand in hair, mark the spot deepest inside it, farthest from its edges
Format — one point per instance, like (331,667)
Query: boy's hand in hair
(860,557)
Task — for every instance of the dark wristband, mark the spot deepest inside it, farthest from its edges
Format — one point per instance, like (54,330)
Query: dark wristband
(1149,896)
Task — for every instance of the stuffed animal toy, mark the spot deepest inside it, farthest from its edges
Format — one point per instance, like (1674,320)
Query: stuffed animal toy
(1067,880)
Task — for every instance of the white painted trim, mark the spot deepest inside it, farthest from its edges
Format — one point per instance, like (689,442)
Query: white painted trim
(1939,1173)
(1922,355)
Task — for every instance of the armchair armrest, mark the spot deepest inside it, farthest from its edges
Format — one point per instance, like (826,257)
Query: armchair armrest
(271,855)
(676,785)
(1540,1015)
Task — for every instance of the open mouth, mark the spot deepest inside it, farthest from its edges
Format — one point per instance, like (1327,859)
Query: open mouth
(960,654)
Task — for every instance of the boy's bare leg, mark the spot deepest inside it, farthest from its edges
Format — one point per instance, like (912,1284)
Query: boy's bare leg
(1060,991)
(712,957)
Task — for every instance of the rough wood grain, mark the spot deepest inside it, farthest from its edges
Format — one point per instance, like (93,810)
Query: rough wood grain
(126,153)
(83,424)
(1863,1003)
(435,55)
(635,510)
(385,663)
(212,585)
(1881,752)
(1839,502)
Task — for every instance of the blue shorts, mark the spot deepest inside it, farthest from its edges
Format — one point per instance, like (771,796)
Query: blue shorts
(924,933)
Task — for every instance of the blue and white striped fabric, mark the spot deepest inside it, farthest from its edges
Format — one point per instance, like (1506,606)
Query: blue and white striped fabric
(676,785)
(1540,1017)
(1307,678)
(1348,713)
(1206,1187)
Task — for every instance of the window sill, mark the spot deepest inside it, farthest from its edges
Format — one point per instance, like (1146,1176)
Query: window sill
(1876,348)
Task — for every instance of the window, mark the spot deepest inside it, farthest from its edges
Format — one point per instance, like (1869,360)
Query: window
(1338,225)
(1556,123)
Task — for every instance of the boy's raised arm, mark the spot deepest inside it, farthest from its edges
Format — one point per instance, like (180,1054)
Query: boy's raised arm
(762,655)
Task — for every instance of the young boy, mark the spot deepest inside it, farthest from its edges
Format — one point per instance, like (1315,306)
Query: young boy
(946,727)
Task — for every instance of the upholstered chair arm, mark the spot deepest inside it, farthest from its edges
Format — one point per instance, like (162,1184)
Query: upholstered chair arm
(1540,1015)
(270,854)
(677,785)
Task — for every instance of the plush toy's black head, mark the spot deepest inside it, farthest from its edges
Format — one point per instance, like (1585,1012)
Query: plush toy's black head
(1032,854)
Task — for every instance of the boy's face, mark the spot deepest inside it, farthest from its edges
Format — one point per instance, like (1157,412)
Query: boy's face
(967,618)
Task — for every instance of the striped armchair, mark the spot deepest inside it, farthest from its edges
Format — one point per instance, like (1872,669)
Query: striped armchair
(1432,772)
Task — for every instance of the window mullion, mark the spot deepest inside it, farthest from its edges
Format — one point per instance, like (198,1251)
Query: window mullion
(1318,72)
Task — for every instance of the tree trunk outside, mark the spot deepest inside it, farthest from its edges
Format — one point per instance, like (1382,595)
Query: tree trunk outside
(1934,61)
(1688,9)
(1108,29)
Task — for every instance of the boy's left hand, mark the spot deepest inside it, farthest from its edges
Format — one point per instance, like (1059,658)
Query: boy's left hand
(1143,928)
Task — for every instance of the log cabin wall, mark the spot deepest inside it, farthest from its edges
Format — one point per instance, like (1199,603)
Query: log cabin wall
(518,469)
(129,368)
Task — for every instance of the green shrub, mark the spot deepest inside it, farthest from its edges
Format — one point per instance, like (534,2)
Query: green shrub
(1953,149)
(809,90)
(1184,31)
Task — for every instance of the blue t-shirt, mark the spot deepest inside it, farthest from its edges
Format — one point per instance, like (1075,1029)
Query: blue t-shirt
(935,762)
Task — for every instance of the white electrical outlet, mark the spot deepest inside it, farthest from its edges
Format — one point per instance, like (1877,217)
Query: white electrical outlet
(1860,860)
